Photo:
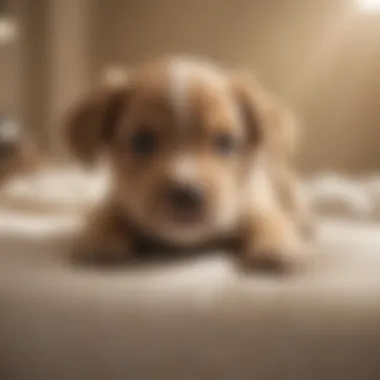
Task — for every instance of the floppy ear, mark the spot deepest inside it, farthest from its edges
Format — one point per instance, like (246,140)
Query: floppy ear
(284,130)
(270,124)
(91,123)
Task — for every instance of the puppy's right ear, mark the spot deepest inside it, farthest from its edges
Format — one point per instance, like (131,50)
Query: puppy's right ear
(91,123)
(270,122)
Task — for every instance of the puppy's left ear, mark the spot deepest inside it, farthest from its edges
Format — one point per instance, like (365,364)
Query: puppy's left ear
(269,123)
(253,106)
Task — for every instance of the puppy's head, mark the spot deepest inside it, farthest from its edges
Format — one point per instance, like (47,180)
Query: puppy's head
(181,138)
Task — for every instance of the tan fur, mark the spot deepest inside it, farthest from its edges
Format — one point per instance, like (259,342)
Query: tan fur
(104,238)
(250,195)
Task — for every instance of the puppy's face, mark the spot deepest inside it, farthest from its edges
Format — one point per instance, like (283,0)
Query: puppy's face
(181,139)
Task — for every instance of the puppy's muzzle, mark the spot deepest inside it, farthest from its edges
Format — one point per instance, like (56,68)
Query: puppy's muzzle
(185,201)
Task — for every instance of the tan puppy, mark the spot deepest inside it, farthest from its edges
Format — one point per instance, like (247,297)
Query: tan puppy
(198,157)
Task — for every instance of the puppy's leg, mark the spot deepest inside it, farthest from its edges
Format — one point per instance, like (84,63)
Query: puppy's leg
(105,240)
(270,241)
(293,199)
(271,236)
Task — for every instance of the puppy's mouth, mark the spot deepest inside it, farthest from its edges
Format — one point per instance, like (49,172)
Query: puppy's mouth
(182,227)
(184,218)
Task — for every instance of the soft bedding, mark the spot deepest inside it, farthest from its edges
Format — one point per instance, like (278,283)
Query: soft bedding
(192,319)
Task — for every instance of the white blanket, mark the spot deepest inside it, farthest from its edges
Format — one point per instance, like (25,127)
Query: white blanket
(192,319)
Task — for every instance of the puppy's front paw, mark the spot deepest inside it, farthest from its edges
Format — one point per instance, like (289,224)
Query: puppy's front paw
(278,251)
(104,239)
(272,258)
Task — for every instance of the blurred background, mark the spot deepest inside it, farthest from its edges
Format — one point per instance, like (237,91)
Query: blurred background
(322,57)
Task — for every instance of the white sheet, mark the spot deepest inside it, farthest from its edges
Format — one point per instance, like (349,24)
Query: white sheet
(193,319)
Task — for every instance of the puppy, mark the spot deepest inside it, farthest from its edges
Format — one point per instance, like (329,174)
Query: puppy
(18,155)
(198,157)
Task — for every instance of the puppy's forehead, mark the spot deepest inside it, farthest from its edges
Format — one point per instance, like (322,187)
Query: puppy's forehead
(187,74)
(188,87)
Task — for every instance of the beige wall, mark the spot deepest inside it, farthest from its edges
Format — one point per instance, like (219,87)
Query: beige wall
(322,57)
(8,76)
(8,70)
(318,55)
(33,65)
(53,62)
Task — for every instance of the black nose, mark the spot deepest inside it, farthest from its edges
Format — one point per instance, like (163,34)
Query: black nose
(185,197)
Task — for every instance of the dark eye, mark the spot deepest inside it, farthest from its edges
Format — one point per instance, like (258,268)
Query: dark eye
(143,143)
(225,143)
